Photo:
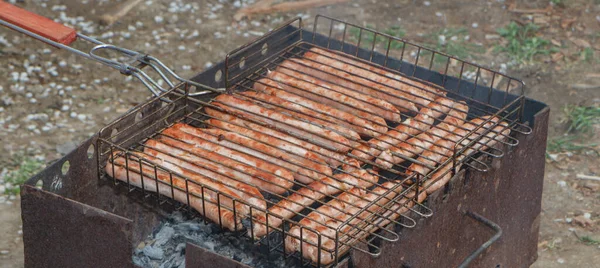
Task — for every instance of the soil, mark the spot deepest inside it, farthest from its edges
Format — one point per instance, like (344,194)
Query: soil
(72,97)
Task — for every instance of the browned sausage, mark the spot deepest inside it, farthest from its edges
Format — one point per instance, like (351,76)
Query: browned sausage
(255,112)
(264,175)
(130,172)
(235,124)
(304,170)
(305,197)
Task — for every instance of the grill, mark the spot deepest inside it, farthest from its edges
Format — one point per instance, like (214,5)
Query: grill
(389,216)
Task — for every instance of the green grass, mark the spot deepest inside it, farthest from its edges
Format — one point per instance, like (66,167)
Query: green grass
(452,41)
(587,54)
(581,118)
(589,241)
(25,168)
(522,43)
(367,38)
(568,144)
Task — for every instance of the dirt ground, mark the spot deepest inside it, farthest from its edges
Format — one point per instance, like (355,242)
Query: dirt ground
(52,100)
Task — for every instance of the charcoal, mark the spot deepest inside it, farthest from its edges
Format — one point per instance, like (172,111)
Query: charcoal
(154,253)
(165,247)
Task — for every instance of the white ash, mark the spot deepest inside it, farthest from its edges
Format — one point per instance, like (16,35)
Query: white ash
(166,246)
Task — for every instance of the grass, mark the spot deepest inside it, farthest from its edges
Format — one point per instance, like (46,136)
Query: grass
(26,167)
(568,144)
(581,118)
(453,41)
(587,54)
(522,43)
(367,38)
(589,241)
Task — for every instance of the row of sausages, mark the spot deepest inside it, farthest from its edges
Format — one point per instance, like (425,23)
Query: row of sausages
(299,122)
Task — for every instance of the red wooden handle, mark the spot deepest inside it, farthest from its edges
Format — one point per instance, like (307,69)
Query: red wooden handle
(37,24)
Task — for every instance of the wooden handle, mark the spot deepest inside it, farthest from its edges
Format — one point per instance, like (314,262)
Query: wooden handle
(37,24)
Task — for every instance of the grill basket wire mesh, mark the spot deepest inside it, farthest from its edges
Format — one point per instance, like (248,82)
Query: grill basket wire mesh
(245,66)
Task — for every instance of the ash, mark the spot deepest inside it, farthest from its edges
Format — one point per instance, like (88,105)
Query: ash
(165,248)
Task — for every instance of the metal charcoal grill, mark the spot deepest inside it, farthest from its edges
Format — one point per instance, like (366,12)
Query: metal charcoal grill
(122,216)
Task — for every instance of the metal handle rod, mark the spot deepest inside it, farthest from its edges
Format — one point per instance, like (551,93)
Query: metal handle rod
(54,34)
(485,245)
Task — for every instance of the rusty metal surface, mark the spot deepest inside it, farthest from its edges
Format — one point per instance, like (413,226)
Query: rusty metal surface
(509,194)
(197,257)
(59,232)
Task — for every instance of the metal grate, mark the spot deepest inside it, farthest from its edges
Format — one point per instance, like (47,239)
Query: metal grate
(393,188)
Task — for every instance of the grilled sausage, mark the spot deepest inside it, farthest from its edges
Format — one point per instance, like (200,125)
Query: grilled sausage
(327,229)
(303,113)
(194,164)
(264,175)
(280,79)
(443,175)
(417,85)
(304,169)
(306,196)
(364,127)
(229,122)
(238,144)
(443,148)
(410,127)
(416,145)
(335,95)
(174,187)
(340,75)
(254,112)
(410,94)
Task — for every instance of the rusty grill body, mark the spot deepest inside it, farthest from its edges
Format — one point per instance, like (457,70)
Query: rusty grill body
(82,217)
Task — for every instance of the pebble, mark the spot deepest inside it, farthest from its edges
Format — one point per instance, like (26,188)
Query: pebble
(158,19)
(2,189)
(568,220)
(37,117)
(475,25)
(587,215)
(562,183)
(427,3)
(4,252)
(561,260)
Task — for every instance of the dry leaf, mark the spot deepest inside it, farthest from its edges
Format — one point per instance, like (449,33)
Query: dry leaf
(557,57)
(581,220)
(581,43)
(556,42)
(566,23)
